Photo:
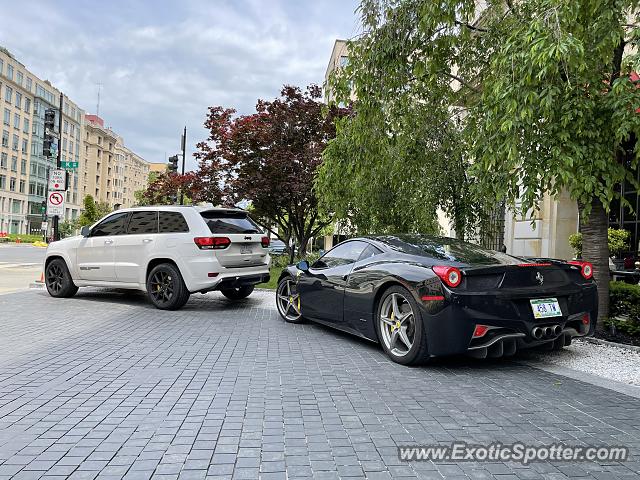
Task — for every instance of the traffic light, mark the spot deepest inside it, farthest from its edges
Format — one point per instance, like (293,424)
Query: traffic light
(173,164)
(49,132)
(49,120)
(43,207)
(46,146)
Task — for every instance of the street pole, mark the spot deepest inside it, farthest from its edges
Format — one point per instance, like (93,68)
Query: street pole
(184,147)
(55,219)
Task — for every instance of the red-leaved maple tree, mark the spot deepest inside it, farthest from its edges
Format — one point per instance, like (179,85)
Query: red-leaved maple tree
(270,159)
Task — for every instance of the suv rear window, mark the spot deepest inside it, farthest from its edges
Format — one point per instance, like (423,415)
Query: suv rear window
(172,222)
(229,222)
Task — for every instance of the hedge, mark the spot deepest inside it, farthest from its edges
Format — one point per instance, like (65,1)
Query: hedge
(625,302)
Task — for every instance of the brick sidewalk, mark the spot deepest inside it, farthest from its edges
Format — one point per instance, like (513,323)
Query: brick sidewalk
(105,386)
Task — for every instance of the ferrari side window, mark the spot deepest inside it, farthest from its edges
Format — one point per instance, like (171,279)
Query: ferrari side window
(343,254)
(369,252)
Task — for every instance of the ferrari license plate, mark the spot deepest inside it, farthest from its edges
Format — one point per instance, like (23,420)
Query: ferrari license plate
(245,249)
(545,308)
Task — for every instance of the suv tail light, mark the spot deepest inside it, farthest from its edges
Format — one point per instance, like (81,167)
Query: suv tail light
(212,243)
(586,268)
(451,276)
(266,241)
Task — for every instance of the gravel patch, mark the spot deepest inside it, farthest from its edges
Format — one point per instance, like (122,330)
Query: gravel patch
(606,361)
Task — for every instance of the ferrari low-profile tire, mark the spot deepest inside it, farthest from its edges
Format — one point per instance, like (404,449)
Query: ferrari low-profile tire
(237,293)
(288,300)
(58,279)
(400,327)
(166,288)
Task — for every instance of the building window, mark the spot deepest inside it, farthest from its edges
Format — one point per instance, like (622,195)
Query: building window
(29,83)
(25,126)
(19,78)
(7,116)
(1,66)
(25,146)
(16,142)
(12,184)
(3,160)
(14,164)
(16,121)
(8,94)
(5,138)
(23,167)
(10,71)
(27,105)
(22,184)
(3,182)
(18,100)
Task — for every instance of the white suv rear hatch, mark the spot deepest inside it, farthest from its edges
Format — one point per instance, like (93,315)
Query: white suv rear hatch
(246,248)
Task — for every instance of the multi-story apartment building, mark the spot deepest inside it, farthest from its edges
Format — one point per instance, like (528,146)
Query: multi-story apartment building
(23,169)
(113,172)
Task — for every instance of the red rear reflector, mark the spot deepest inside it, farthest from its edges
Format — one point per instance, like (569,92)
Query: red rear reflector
(586,268)
(212,243)
(432,298)
(480,331)
(212,274)
(266,241)
(585,319)
(451,276)
(534,264)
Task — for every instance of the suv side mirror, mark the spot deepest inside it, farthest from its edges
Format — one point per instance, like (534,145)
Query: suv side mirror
(303,265)
(85,231)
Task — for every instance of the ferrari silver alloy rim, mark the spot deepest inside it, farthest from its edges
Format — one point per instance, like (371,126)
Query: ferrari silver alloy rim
(397,324)
(288,300)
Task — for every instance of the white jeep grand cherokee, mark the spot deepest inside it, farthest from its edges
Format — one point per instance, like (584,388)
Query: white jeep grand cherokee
(169,252)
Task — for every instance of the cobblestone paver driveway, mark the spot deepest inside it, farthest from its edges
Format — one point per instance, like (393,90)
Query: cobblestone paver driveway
(103,385)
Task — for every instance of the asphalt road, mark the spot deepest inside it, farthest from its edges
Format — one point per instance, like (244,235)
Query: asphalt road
(105,386)
(20,266)
(21,253)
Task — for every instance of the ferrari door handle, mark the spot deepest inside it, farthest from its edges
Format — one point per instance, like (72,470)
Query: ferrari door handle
(345,277)
(108,242)
(147,240)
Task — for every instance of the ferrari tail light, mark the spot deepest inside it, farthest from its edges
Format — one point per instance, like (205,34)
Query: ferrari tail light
(212,243)
(586,268)
(265,241)
(585,319)
(451,276)
(480,331)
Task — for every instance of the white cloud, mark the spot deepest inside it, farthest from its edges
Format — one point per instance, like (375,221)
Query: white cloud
(163,63)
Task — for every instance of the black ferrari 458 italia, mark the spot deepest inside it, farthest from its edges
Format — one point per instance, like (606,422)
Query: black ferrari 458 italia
(423,296)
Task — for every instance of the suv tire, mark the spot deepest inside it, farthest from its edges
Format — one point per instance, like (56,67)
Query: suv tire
(58,279)
(166,288)
(237,293)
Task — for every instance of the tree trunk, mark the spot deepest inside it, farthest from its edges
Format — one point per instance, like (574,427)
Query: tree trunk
(595,249)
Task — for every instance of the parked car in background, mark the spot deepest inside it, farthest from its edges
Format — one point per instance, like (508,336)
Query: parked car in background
(422,296)
(169,252)
(277,247)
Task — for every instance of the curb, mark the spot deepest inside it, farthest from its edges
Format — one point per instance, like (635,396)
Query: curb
(599,341)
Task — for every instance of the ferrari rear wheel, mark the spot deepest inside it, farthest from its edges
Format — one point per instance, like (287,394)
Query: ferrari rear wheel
(400,327)
(288,301)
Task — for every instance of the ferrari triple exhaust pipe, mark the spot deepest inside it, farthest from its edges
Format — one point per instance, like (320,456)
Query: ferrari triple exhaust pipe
(546,332)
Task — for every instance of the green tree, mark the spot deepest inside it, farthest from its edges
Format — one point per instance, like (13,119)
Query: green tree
(542,91)
(92,211)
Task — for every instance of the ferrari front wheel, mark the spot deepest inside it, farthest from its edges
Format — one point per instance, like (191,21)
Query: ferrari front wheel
(288,300)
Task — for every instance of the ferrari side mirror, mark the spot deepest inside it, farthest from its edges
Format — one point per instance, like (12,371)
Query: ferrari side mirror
(303,265)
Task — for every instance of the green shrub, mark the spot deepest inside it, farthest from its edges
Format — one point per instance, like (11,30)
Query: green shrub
(24,238)
(625,302)
(618,240)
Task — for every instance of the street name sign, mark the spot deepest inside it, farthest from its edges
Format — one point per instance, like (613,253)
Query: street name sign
(70,165)
(55,204)
(57,180)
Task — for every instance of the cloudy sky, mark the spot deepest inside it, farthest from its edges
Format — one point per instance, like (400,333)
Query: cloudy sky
(161,63)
